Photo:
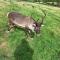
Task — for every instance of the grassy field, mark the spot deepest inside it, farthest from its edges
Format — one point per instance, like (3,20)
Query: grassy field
(15,46)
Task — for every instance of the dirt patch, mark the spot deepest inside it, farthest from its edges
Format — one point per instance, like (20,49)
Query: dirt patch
(3,45)
(5,49)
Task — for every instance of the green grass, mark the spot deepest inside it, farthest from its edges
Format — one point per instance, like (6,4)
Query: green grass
(15,46)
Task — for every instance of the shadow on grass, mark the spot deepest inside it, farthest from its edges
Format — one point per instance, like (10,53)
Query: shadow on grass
(56,56)
(23,51)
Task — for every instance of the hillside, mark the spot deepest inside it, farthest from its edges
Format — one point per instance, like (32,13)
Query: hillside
(15,46)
